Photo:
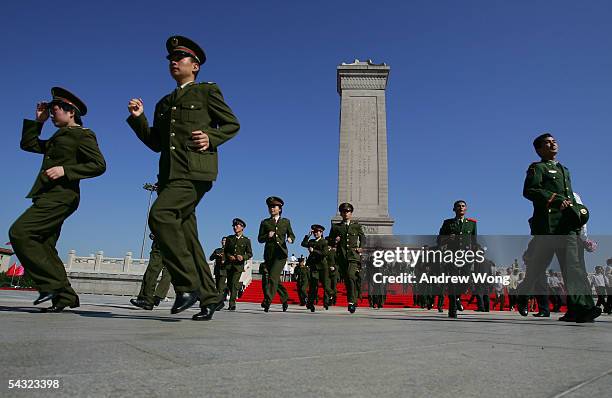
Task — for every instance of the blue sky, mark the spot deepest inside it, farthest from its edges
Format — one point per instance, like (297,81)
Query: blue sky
(471,84)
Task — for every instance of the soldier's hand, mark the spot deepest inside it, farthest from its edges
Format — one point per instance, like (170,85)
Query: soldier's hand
(359,250)
(271,234)
(42,112)
(310,249)
(337,239)
(55,172)
(239,257)
(565,204)
(231,258)
(200,140)
(136,107)
(289,240)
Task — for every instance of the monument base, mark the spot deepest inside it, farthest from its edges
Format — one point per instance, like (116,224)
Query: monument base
(372,225)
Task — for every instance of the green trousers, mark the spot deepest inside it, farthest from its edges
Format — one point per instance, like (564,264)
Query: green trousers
(570,253)
(233,281)
(275,268)
(333,282)
(352,280)
(302,285)
(150,287)
(33,237)
(172,220)
(220,282)
(318,277)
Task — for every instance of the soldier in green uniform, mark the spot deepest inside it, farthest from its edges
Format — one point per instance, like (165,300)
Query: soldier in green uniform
(333,273)
(458,233)
(70,155)
(555,226)
(350,239)
(153,292)
(317,265)
(220,271)
(237,251)
(188,127)
(302,274)
(275,232)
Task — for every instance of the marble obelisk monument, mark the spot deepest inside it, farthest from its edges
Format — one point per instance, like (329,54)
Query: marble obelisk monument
(362,161)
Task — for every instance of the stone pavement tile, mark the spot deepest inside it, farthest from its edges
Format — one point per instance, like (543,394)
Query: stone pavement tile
(108,348)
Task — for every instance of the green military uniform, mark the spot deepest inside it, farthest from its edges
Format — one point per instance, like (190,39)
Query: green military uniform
(318,269)
(348,258)
(34,234)
(547,185)
(185,174)
(220,271)
(333,274)
(275,254)
(457,234)
(235,246)
(152,291)
(303,274)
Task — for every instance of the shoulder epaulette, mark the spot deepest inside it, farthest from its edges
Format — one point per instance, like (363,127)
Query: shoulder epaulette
(472,219)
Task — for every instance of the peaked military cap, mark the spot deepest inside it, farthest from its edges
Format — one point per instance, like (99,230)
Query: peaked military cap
(274,200)
(62,95)
(237,221)
(181,44)
(345,206)
(576,216)
(317,227)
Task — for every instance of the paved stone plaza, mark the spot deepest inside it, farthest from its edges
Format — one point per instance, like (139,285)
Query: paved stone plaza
(107,348)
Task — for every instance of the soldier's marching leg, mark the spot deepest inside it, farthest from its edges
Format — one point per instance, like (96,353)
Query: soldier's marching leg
(233,278)
(172,221)
(145,299)
(312,291)
(276,268)
(33,237)
(208,290)
(161,291)
(352,275)
(327,291)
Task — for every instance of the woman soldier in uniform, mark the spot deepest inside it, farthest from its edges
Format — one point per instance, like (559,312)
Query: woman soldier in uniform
(70,155)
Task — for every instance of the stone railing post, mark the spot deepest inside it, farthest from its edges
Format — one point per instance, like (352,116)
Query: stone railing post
(71,256)
(98,261)
(127,261)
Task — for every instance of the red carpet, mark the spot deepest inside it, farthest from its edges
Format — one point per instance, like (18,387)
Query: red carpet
(398,296)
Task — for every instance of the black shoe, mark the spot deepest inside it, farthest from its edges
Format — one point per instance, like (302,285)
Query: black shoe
(219,306)
(140,303)
(54,308)
(459,305)
(568,317)
(205,313)
(285,306)
(440,309)
(44,296)
(589,315)
(312,308)
(183,301)
(231,308)
(266,306)
(452,314)
(479,310)
(351,308)
(157,301)
(523,310)
(542,314)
